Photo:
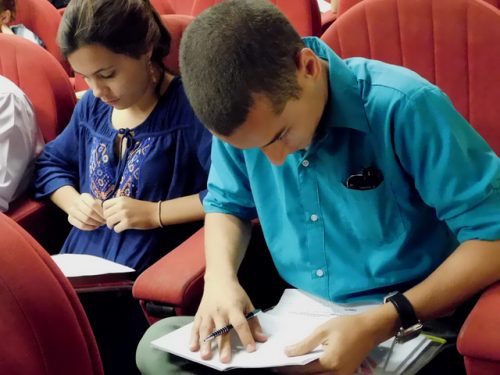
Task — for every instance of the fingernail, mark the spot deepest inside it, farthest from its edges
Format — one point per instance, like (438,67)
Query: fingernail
(250,348)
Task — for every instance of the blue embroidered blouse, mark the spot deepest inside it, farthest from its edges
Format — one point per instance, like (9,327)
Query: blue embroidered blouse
(168,156)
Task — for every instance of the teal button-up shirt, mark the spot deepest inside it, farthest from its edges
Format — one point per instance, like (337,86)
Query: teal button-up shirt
(441,185)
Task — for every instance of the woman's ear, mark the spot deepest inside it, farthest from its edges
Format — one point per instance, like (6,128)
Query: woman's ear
(149,54)
(5,17)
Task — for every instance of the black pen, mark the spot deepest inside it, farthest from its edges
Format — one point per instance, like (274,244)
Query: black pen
(229,327)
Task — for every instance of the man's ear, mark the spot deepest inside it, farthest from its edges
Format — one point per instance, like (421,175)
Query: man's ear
(5,17)
(307,62)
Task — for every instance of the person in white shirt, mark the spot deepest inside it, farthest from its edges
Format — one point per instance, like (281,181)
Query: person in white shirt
(20,142)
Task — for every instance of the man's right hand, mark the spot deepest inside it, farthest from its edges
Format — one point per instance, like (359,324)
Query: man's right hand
(224,302)
(85,212)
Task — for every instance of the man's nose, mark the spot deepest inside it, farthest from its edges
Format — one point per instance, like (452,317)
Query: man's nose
(276,153)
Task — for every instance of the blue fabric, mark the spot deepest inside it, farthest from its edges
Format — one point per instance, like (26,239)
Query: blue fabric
(441,185)
(168,157)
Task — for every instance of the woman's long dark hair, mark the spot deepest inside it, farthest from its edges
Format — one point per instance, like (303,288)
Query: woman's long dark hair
(129,27)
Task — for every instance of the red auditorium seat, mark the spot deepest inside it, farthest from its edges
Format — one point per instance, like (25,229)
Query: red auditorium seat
(303,14)
(46,84)
(162,6)
(181,6)
(495,3)
(41,17)
(44,328)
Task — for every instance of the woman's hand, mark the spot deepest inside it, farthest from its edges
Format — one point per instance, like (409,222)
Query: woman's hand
(124,213)
(85,212)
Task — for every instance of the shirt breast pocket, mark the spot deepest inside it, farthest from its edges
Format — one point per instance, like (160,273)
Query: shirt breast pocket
(373,214)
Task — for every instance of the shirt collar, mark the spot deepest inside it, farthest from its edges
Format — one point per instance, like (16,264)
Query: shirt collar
(344,107)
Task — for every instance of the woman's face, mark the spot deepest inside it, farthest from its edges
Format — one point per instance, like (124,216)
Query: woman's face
(117,79)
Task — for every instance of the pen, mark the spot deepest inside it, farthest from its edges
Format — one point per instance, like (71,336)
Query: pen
(229,327)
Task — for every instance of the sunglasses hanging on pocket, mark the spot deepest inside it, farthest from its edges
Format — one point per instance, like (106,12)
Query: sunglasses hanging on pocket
(368,178)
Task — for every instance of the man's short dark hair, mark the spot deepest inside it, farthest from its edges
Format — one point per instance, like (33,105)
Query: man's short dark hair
(233,50)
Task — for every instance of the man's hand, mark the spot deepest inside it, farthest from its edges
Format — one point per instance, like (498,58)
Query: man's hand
(346,341)
(224,302)
(85,212)
(124,213)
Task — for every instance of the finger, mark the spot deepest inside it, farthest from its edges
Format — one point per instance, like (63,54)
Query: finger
(306,345)
(113,220)
(83,217)
(257,331)
(194,340)
(207,326)
(121,226)
(94,205)
(78,224)
(223,341)
(243,331)
(89,210)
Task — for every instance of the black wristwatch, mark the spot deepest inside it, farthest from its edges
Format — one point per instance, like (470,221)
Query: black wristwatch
(410,325)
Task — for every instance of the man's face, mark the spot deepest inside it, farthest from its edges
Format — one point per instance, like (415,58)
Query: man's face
(281,134)
(278,135)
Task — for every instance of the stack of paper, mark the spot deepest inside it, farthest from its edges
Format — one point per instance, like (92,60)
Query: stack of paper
(83,269)
(295,317)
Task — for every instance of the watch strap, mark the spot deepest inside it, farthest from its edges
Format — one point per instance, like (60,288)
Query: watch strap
(405,310)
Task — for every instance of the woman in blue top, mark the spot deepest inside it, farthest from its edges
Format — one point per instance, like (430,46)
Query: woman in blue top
(134,158)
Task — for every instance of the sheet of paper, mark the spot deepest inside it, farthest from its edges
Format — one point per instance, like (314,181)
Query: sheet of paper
(74,265)
(282,331)
(294,301)
(295,316)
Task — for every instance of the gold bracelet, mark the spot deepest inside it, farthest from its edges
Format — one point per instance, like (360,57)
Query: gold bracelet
(159,214)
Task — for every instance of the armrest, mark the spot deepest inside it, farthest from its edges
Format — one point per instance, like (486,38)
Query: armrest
(480,334)
(177,278)
(44,221)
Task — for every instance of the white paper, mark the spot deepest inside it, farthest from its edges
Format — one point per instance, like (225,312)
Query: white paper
(296,316)
(294,301)
(74,265)
(282,331)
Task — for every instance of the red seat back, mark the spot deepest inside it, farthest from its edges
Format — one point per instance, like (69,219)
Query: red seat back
(175,24)
(44,329)
(181,6)
(42,79)
(495,3)
(344,5)
(47,86)
(452,43)
(41,17)
(303,14)
(162,6)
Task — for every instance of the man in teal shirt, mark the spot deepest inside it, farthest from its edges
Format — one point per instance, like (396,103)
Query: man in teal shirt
(364,177)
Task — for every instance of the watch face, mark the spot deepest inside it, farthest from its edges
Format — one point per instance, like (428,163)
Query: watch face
(409,333)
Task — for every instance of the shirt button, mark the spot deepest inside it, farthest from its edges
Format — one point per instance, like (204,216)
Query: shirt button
(314,217)
(319,273)
(305,163)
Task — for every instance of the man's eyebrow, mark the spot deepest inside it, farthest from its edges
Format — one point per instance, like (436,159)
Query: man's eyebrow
(276,137)
(97,71)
